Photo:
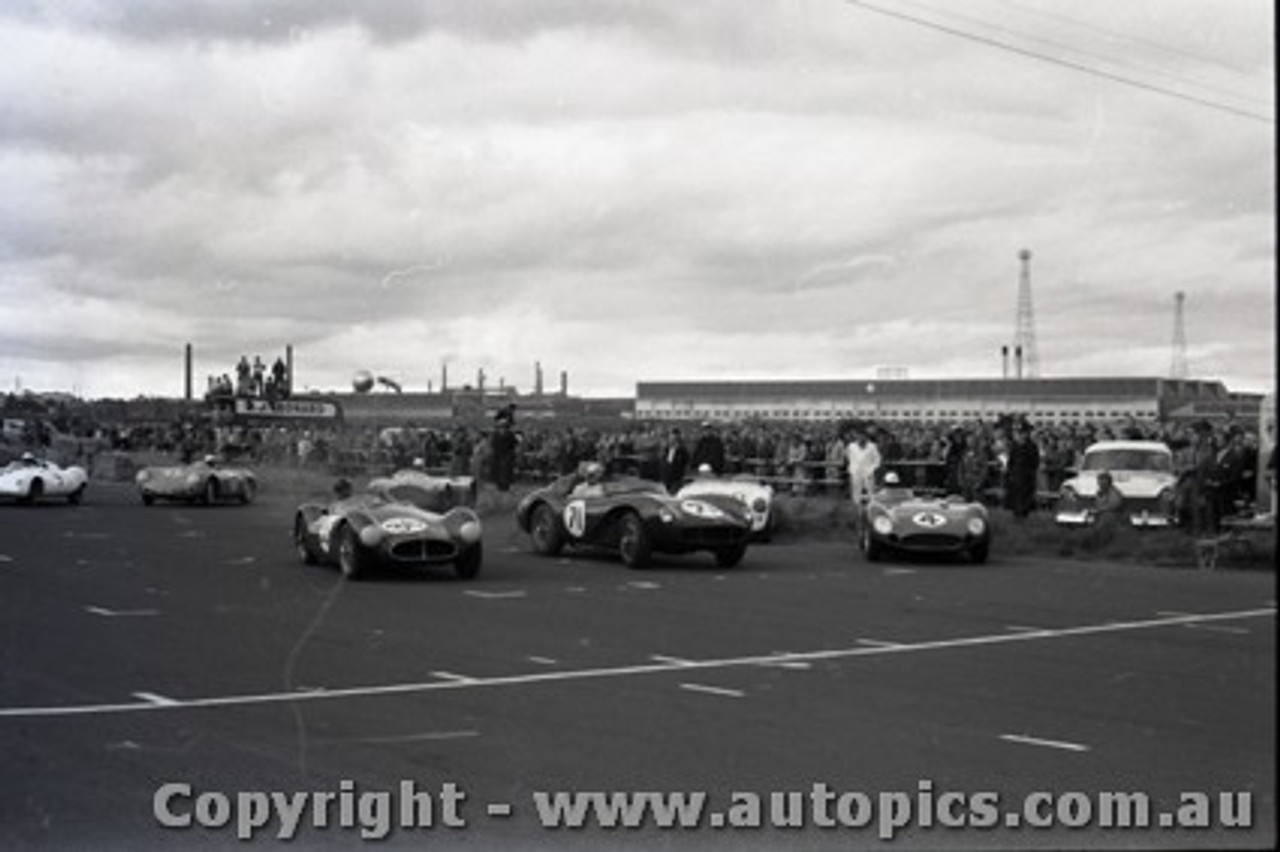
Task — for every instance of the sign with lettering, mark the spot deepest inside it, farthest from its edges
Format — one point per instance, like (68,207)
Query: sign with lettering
(297,409)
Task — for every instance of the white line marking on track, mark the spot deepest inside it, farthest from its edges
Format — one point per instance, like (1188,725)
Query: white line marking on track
(1218,628)
(120,613)
(713,690)
(671,661)
(643,584)
(158,700)
(4,558)
(1037,741)
(876,643)
(890,572)
(785,663)
(404,738)
(543,661)
(511,593)
(567,675)
(454,678)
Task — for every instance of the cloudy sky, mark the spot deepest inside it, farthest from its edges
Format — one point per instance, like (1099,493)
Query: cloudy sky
(643,190)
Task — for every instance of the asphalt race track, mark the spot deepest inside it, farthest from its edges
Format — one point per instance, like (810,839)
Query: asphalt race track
(143,646)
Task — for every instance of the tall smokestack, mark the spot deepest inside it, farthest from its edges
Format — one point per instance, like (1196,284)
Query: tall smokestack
(564,382)
(444,376)
(1004,362)
(288,368)
(537,378)
(187,371)
(1017,359)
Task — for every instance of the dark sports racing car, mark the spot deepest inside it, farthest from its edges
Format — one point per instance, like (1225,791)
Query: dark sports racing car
(363,531)
(897,519)
(634,516)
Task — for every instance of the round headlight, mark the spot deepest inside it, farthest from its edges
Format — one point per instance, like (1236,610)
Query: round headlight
(193,479)
(1166,495)
(666,515)
(977,526)
(470,532)
(143,476)
(1069,492)
(760,505)
(882,525)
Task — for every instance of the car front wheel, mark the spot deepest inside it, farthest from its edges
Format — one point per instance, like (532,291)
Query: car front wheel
(633,542)
(300,546)
(729,557)
(871,548)
(545,531)
(351,558)
(468,564)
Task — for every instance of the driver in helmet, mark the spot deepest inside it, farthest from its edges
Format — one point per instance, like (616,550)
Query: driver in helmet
(591,483)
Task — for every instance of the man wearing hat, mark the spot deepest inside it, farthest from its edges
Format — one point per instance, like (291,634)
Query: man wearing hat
(1020,476)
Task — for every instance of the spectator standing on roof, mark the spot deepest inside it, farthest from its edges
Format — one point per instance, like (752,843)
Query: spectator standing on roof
(863,458)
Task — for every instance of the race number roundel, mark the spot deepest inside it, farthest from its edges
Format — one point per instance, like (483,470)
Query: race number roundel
(575,518)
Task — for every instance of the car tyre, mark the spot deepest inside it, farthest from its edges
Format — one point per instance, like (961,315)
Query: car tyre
(147,499)
(978,553)
(305,555)
(250,491)
(467,565)
(351,558)
(34,491)
(76,496)
(544,528)
(209,495)
(729,557)
(871,548)
(633,542)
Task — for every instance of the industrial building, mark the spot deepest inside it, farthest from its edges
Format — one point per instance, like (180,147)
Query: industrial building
(1041,400)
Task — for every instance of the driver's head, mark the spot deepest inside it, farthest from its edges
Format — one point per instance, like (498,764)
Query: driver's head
(891,480)
(593,472)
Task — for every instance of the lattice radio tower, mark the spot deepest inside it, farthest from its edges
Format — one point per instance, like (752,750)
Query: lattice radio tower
(1178,367)
(1025,337)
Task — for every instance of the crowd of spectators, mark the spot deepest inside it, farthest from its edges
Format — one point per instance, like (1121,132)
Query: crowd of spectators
(1007,462)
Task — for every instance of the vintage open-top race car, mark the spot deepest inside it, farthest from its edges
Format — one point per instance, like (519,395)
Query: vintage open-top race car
(28,479)
(755,496)
(360,532)
(205,481)
(899,519)
(1143,474)
(636,517)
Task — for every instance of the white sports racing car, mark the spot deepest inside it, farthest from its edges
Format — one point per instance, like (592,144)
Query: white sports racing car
(29,480)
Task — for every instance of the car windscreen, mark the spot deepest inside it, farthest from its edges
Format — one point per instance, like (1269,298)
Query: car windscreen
(1129,460)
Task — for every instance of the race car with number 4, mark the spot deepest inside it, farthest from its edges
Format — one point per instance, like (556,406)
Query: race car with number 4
(381,528)
(898,520)
(636,517)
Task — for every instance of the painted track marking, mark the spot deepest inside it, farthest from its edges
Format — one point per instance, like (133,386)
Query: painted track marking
(458,682)
(1061,745)
(713,690)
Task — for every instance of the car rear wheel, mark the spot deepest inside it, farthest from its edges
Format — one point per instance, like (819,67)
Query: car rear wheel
(468,564)
(35,490)
(300,546)
(351,559)
(978,553)
(729,557)
(76,496)
(633,542)
(545,531)
(147,499)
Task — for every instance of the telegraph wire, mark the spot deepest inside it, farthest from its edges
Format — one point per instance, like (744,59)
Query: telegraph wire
(1065,63)
(1149,69)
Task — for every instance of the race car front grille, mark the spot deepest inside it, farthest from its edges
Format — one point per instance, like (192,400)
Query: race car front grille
(712,536)
(423,550)
(931,541)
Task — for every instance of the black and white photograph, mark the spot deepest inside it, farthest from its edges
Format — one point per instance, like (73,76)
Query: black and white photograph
(638,424)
